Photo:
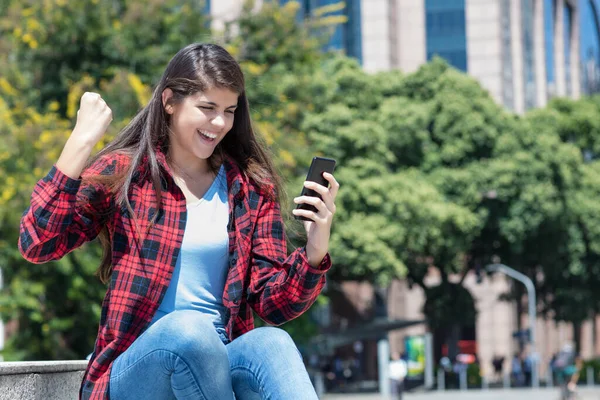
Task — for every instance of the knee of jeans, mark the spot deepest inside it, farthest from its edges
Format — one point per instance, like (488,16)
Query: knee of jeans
(189,333)
(275,340)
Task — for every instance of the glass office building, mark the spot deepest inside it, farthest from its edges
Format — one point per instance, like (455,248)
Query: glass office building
(505,44)
(446,31)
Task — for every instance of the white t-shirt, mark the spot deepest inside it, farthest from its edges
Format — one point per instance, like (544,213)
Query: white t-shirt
(398,370)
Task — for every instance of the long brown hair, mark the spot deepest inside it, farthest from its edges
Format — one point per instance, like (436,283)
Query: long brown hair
(195,68)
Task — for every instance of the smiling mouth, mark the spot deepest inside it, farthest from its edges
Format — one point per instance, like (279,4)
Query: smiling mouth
(207,135)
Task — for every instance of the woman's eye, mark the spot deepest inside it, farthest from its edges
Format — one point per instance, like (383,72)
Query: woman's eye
(231,111)
(206,108)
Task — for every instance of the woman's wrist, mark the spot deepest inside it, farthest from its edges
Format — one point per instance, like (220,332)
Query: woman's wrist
(73,157)
(314,259)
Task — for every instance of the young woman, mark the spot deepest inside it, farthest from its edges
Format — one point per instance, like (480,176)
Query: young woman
(185,202)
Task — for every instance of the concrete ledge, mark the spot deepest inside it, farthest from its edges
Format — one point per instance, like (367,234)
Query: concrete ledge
(37,380)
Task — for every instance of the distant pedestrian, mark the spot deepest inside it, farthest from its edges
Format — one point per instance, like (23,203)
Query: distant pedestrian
(516,369)
(498,365)
(398,371)
(338,370)
(528,369)
(569,365)
(552,366)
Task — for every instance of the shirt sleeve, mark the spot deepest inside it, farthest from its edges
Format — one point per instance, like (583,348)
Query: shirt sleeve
(63,214)
(281,288)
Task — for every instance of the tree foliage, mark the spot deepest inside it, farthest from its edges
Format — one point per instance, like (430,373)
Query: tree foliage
(434,173)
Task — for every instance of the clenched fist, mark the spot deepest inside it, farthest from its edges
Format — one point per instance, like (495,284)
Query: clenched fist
(93,119)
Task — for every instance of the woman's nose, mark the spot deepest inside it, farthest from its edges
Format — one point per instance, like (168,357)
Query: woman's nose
(218,121)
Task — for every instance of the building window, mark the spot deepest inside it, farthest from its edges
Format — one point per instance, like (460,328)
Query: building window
(347,36)
(336,41)
(549,13)
(306,6)
(353,42)
(590,48)
(567,23)
(507,69)
(446,31)
(528,53)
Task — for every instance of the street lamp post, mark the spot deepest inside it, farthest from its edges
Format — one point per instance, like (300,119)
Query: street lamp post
(532,313)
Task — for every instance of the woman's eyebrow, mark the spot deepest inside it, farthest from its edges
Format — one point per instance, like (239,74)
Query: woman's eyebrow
(216,105)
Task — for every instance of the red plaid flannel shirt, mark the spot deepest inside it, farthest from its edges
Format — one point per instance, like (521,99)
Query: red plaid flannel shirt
(64,214)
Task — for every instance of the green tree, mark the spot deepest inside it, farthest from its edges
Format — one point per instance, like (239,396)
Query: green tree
(59,42)
(475,181)
(392,220)
(570,278)
(56,305)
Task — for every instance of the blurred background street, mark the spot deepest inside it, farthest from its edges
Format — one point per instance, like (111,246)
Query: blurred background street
(466,242)
(542,394)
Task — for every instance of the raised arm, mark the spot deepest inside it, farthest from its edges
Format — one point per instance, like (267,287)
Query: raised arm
(62,214)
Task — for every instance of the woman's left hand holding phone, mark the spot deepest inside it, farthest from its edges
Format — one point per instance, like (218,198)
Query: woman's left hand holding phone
(318,230)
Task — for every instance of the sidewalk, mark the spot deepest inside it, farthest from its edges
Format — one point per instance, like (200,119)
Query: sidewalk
(492,394)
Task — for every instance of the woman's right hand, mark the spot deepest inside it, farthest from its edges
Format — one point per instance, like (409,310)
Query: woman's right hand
(93,118)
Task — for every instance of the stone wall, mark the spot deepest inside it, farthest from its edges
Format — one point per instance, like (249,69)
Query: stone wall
(37,380)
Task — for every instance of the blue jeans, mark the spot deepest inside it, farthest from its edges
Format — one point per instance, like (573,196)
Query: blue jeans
(183,356)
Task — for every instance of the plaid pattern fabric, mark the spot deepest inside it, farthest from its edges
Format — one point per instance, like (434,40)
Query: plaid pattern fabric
(64,214)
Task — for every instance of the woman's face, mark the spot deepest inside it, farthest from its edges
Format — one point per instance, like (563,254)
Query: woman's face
(199,122)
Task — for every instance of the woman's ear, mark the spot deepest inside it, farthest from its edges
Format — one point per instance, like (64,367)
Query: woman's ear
(167,94)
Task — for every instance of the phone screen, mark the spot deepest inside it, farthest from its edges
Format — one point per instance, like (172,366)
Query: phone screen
(315,174)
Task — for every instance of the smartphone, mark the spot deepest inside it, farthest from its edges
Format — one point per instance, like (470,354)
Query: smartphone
(315,174)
